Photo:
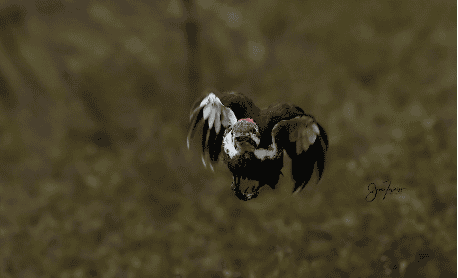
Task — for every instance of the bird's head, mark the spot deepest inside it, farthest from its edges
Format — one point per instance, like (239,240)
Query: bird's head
(246,133)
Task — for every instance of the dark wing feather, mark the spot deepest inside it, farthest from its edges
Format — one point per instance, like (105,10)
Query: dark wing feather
(241,105)
(306,143)
(212,115)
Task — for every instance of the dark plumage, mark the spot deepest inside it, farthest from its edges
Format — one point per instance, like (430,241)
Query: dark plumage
(252,140)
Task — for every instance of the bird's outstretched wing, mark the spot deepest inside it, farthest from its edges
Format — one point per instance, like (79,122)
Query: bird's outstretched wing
(306,143)
(212,115)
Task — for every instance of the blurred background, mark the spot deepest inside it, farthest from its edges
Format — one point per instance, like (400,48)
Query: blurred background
(96,179)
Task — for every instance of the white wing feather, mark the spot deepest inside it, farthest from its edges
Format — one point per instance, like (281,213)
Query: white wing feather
(216,114)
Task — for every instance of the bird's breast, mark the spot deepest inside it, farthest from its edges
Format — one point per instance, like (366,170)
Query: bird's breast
(243,163)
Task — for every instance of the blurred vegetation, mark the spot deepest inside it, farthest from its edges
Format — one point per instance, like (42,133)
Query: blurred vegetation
(96,180)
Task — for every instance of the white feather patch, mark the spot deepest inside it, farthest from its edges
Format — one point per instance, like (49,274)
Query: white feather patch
(213,107)
(269,153)
(207,110)
(210,98)
(228,145)
(255,138)
(218,121)
(316,129)
(312,138)
(228,117)
(211,119)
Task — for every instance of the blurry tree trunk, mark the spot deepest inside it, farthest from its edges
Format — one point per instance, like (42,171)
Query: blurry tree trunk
(35,95)
(193,68)
(12,77)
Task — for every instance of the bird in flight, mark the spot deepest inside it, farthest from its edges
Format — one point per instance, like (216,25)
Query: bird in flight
(252,141)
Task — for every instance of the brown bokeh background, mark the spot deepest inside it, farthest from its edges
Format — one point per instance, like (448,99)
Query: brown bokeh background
(96,179)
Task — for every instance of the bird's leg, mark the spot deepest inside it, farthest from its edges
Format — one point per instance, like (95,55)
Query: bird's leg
(245,195)
(234,183)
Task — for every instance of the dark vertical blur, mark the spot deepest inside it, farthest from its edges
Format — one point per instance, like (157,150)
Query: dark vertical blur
(191,30)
